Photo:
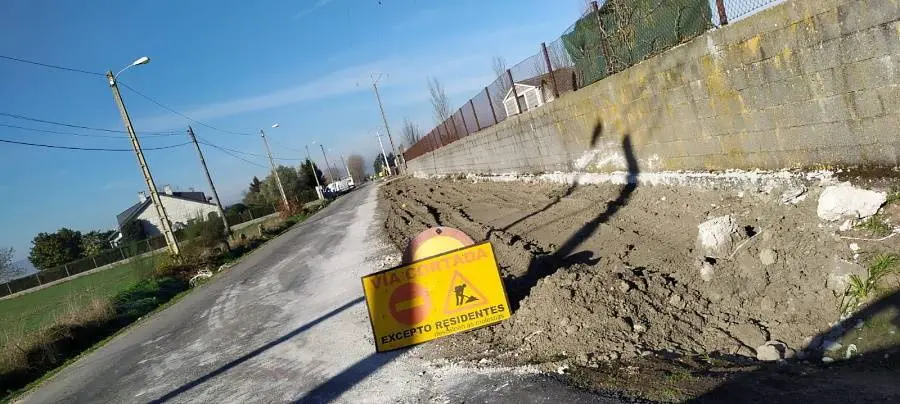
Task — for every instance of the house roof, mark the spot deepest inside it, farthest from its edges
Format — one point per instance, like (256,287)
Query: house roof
(565,80)
(137,208)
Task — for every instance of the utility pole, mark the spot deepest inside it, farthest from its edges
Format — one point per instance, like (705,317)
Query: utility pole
(387,128)
(209,180)
(346,167)
(164,222)
(312,167)
(275,171)
(327,163)
(383,154)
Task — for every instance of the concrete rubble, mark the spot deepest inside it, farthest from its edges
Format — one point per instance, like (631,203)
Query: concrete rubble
(844,200)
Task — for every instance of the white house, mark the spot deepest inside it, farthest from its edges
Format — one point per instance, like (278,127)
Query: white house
(537,91)
(182,208)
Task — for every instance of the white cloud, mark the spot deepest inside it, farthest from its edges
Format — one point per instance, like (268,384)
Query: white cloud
(463,65)
(319,4)
(405,73)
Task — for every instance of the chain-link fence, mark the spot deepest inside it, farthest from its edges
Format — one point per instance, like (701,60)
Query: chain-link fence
(726,11)
(114,255)
(609,37)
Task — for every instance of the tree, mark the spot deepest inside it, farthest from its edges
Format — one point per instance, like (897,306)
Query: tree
(133,230)
(499,66)
(439,100)
(256,199)
(94,242)
(357,168)
(378,164)
(411,132)
(298,188)
(52,249)
(307,169)
(255,184)
(8,270)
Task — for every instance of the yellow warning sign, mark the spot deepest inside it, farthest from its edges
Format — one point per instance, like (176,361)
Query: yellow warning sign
(441,295)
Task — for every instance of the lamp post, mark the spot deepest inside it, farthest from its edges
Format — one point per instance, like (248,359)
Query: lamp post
(165,224)
(284,198)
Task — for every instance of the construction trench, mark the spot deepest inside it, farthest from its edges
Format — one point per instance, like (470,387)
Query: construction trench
(621,286)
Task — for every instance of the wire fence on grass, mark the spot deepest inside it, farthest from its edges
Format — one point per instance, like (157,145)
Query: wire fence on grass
(115,255)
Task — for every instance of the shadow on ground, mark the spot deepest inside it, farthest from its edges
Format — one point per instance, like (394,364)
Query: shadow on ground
(327,391)
(566,255)
(872,377)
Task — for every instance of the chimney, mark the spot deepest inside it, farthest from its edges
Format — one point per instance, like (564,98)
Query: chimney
(167,190)
(142,197)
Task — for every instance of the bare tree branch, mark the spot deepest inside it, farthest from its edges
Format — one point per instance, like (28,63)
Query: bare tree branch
(8,270)
(357,167)
(411,132)
(499,66)
(439,100)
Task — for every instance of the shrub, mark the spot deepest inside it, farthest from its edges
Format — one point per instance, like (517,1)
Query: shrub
(181,268)
(208,233)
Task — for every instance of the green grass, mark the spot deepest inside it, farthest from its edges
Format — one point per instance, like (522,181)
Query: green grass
(679,376)
(54,342)
(860,289)
(33,310)
(893,197)
(876,225)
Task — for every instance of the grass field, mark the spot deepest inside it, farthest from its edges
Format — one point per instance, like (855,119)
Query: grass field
(33,310)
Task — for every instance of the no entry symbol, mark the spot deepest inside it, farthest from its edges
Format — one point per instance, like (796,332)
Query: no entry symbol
(410,303)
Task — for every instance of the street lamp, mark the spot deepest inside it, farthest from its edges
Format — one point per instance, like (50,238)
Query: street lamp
(139,61)
(164,222)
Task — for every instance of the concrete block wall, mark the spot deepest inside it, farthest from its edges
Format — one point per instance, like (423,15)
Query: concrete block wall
(808,83)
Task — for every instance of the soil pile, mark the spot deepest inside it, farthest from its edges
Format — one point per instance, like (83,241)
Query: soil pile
(604,272)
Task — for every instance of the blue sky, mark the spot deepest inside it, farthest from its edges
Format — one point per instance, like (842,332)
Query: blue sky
(239,66)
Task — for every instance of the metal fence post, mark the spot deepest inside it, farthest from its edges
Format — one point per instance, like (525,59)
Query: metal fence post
(723,17)
(462,115)
(491,103)
(512,85)
(66,267)
(550,70)
(475,114)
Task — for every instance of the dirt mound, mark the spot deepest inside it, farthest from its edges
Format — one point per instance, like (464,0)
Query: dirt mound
(603,272)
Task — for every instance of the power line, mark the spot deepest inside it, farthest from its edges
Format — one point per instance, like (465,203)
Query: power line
(31,62)
(206,142)
(50,146)
(161,105)
(148,98)
(226,151)
(70,125)
(53,132)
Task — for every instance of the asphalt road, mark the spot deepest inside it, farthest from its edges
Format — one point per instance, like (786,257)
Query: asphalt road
(287,324)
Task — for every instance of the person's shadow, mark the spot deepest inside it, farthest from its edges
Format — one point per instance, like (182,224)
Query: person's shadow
(565,255)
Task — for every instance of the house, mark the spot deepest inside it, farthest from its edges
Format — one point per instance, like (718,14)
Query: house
(182,208)
(537,91)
